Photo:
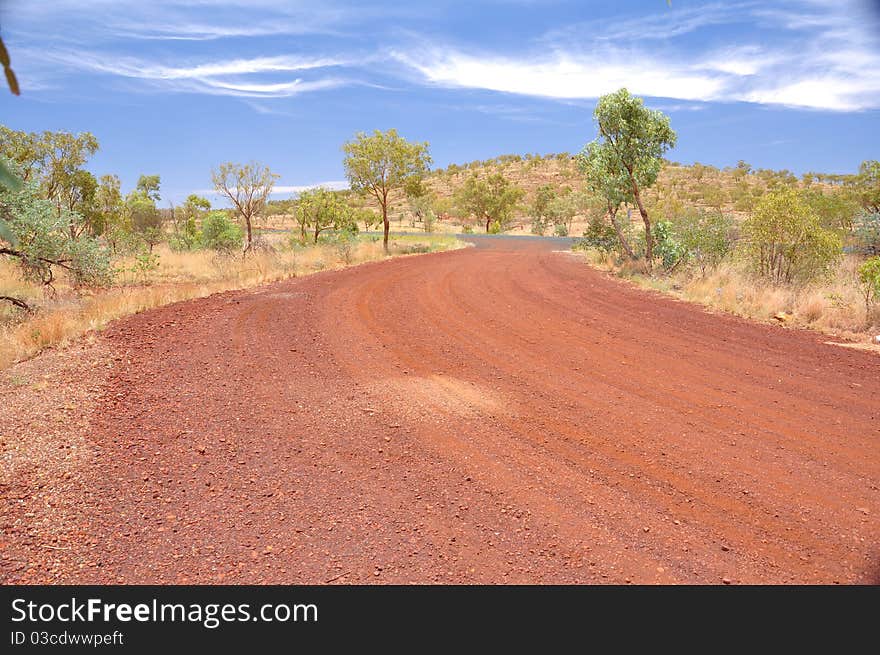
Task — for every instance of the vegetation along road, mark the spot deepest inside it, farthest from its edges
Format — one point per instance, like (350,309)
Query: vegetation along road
(494,414)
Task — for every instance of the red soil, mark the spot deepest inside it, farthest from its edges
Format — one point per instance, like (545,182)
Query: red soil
(501,414)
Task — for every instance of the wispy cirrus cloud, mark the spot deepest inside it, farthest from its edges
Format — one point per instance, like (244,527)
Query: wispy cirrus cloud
(235,77)
(821,56)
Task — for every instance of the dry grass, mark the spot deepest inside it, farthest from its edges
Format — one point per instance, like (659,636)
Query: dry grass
(68,314)
(833,306)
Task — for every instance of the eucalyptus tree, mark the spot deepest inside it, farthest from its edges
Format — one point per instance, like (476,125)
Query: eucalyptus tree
(382,162)
(630,147)
(247,187)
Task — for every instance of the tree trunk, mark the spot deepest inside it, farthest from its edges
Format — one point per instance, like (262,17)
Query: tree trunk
(488,221)
(250,235)
(649,238)
(386,224)
(317,232)
(612,214)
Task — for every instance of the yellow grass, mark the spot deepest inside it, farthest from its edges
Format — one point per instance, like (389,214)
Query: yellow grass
(833,306)
(179,276)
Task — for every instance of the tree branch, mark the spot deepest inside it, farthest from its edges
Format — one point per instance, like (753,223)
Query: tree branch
(52,262)
(18,302)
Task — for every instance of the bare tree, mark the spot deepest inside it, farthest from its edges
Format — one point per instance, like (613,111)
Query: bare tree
(248,187)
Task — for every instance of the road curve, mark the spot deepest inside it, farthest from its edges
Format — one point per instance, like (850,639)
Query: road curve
(500,414)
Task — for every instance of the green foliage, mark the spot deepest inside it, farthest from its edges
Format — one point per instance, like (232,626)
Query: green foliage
(247,186)
(345,243)
(785,240)
(186,229)
(109,206)
(563,208)
(144,217)
(599,235)
(145,262)
(321,209)
(866,231)
(221,233)
(366,216)
(148,185)
(667,245)
(868,185)
(835,209)
(41,242)
(869,282)
(380,162)
(492,200)
(706,237)
(634,139)
(627,156)
(544,196)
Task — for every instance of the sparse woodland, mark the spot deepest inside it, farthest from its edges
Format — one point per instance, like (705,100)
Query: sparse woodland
(75,251)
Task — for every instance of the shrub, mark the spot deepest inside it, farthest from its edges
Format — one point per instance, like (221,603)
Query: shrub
(560,230)
(221,233)
(869,282)
(41,241)
(667,245)
(539,226)
(598,235)
(785,241)
(705,237)
(344,242)
(866,230)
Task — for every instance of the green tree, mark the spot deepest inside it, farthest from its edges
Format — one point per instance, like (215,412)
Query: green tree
(492,200)
(869,283)
(381,162)
(606,180)
(836,209)
(65,154)
(866,230)
(149,186)
(39,241)
(77,196)
(706,237)
(868,185)
(320,210)
(785,241)
(633,139)
(562,209)
(186,226)
(26,151)
(144,217)
(221,233)
(247,187)
(544,196)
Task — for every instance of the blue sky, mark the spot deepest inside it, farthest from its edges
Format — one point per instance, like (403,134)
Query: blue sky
(174,88)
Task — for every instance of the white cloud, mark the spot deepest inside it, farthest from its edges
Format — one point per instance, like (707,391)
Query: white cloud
(561,75)
(812,55)
(234,77)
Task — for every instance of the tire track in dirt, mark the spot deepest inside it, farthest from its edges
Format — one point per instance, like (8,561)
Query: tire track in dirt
(496,414)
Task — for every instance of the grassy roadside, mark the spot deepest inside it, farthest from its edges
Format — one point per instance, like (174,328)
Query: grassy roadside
(172,277)
(832,306)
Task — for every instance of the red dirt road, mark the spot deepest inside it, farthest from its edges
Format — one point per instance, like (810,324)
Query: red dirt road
(501,414)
